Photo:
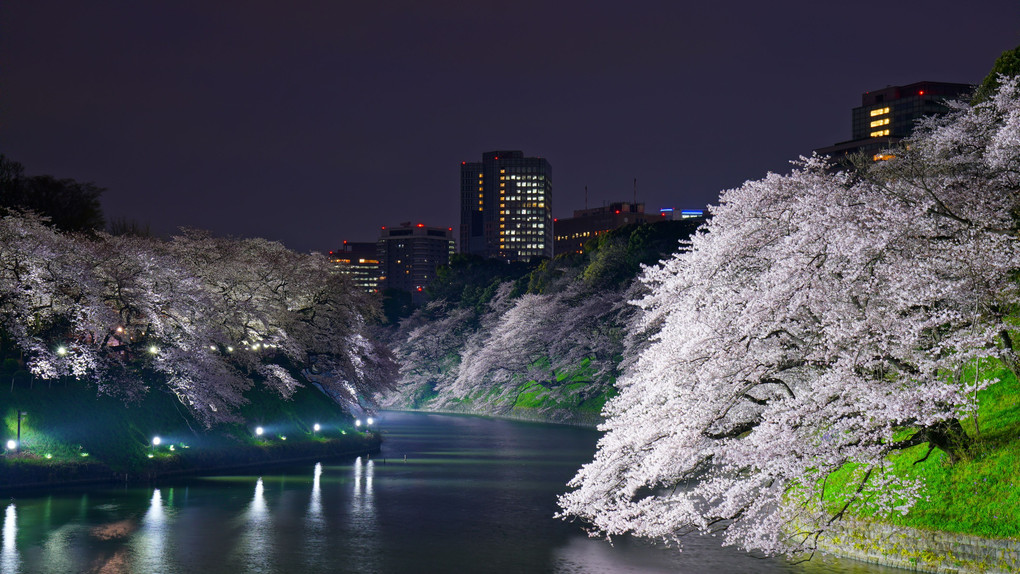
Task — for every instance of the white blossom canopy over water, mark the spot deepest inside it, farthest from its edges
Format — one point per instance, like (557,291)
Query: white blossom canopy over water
(815,316)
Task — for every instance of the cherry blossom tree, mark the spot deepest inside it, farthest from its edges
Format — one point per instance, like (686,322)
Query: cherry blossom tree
(204,316)
(818,323)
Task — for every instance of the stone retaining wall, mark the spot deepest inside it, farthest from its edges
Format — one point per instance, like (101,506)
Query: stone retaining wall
(922,550)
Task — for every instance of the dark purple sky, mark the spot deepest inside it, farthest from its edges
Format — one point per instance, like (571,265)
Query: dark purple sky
(310,122)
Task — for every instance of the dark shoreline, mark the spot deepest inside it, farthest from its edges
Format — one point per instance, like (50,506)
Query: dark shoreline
(25,476)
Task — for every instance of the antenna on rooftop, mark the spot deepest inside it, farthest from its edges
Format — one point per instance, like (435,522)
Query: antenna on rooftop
(635,192)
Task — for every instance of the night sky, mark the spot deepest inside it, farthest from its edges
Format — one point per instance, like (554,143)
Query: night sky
(313,122)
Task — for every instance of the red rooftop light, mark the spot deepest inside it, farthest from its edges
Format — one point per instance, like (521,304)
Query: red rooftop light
(618,212)
(421,225)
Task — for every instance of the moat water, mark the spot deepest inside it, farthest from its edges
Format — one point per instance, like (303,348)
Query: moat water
(473,495)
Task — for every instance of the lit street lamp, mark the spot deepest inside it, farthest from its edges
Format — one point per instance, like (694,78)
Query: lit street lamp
(259,431)
(316,427)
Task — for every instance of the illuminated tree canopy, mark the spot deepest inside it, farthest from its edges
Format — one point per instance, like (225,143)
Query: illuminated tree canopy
(819,322)
(205,316)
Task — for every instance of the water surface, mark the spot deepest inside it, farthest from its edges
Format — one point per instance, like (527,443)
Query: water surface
(473,495)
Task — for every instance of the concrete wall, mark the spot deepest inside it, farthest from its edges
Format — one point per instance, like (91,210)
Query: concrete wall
(922,550)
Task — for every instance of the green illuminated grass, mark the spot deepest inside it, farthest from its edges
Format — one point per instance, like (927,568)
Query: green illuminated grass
(66,420)
(978,495)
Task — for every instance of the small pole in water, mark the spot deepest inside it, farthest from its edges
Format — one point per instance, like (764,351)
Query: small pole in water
(405,458)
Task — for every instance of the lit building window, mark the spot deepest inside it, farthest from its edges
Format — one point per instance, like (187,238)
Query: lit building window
(881,122)
(879,111)
(879,133)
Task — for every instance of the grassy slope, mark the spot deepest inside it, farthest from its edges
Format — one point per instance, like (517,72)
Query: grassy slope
(977,495)
(571,398)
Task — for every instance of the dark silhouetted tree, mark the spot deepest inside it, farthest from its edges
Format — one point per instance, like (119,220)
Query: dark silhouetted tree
(1007,65)
(69,205)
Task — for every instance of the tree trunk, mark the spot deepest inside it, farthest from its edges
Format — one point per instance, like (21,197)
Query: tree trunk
(949,437)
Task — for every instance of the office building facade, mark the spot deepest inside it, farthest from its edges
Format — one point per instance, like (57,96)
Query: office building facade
(409,255)
(888,115)
(571,233)
(506,206)
(359,261)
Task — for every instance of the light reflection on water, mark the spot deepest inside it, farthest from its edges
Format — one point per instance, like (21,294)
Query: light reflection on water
(473,495)
(257,544)
(10,561)
(315,530)
(150,542)
(363,544)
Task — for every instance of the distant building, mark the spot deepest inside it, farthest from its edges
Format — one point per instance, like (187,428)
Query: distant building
(573,232)
(888,115)
(361,262)
(506,206)
(670,214)
(409,255)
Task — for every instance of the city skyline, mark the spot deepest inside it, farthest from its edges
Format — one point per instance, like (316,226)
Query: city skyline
(316,123)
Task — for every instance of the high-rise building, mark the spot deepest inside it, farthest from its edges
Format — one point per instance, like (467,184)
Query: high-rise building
(506,206)
(360,261)
(888,115)
(573,232)
(409,255)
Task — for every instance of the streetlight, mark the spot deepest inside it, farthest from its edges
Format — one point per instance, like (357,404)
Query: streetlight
(61,350)
(316,427)
(11,445)
(357,423)
(20,414)
(155,442)
(371,421)
(259,431)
